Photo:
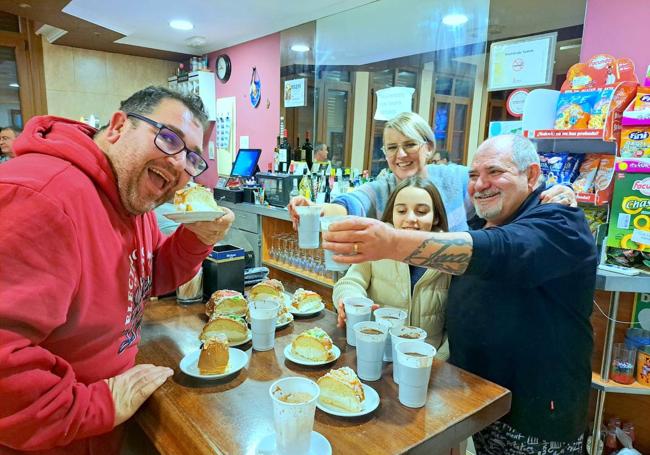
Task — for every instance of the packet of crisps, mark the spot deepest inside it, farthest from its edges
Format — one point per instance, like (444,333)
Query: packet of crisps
(642,99)
(574,108)
(635,141)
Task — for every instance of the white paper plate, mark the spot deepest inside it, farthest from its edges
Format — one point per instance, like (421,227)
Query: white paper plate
(287,321)
(248,338)
(237,360)
(370,403)
(302,361)
(193,217)
(319,445)
(307,313)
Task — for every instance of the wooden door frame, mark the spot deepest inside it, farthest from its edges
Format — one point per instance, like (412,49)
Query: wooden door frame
(28,50)
(323,86)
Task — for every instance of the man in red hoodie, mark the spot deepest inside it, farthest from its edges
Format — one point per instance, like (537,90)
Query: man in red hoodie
(80,254)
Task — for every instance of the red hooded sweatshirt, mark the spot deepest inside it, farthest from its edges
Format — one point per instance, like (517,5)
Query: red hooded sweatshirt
(75,272)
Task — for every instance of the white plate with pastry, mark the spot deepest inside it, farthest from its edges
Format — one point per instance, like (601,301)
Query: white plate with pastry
(306,303)
(284,320)
(300,360)
(368,405)
(237,360)
(312,347)
(310,312)
(193,217)
(233,326)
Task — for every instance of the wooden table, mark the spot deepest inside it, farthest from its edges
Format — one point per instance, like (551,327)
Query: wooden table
(191,416)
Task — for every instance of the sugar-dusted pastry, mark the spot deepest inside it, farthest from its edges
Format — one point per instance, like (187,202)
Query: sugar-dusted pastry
(267,290)
(234,327)
(304,300)
(195,198)
(342,389)
(223,294)
(313,344)
(214,354)
(284,315)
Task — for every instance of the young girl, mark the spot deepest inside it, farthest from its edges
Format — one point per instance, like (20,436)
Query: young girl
(415,204)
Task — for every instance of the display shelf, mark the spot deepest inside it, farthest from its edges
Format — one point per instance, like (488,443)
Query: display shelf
(327,282)
(598,383)
(616,282)
(574,144)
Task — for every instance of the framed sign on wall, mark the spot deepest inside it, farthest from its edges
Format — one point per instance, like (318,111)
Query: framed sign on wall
(522,62)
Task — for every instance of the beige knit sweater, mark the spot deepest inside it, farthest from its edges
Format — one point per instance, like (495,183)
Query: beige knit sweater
(388,283)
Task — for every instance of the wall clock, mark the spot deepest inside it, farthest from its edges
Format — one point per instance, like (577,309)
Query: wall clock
(223,67)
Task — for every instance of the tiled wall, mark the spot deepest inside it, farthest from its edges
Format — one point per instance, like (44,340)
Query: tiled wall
(83,82)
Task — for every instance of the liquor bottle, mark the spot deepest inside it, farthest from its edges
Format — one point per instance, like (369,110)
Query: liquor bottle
(305,185)
(297,152)
(328,191)
(285,152)
(309,150)
(294,190)
(281,152)
(276,156)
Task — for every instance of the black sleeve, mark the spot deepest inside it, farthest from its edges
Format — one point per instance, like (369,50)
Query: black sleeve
(548,242)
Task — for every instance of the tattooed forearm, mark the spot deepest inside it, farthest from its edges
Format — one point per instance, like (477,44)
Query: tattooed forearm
(451,255)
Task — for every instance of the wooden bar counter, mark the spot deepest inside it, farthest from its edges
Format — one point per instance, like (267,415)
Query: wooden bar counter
(231,416)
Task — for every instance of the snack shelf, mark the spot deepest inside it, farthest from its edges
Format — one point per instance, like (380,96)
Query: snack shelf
(598,383)
(574,144)
(327,282)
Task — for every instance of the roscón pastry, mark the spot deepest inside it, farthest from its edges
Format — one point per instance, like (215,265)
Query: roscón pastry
(284,315)
(267,290)
(304,300)
(226,302)
(195,198)
(234,327)
(214,354)
(313,344)
(342,389)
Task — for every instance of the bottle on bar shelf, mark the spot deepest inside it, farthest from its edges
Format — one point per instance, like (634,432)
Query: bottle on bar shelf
(294,190)
(309,150)
(286,148)
(305,185)
(276,156)
(297,151)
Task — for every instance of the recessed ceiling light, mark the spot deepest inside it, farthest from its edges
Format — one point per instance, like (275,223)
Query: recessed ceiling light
(300,48)
(179,24)
(24,5)
(14,85)
(454,19)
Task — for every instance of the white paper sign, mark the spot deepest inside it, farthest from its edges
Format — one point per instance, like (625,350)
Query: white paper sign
(392,101)
(523,62)
(294,93)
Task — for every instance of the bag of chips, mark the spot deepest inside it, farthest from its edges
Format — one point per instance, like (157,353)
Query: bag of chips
(574,109)
(605,172)
(585,181)
(551,165)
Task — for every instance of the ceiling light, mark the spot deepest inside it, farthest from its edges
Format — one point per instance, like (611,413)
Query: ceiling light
(300,48)
(181,24)
(570,46)
(24,5)
(196,41)
(14,85)
(454,19)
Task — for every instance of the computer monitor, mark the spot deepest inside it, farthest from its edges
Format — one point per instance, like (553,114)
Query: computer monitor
(245,163)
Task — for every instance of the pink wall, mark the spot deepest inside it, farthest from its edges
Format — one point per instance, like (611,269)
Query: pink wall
(618,27)
(260,124)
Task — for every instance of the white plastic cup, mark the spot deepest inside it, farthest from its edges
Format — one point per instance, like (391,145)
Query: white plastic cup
(370,349)
(395,318)
(331,264)
(263,316)
(357,309)
(400,335)
(309,226)
(415,359)
(293,422)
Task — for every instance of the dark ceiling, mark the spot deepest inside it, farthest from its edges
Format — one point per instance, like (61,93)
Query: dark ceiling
(81,33)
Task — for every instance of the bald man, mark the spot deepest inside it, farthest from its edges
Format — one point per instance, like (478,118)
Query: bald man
(520,301)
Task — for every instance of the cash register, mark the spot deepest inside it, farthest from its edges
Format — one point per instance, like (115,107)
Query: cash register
(245,166)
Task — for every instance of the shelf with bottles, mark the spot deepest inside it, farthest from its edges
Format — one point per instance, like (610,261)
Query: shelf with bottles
(200,83)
